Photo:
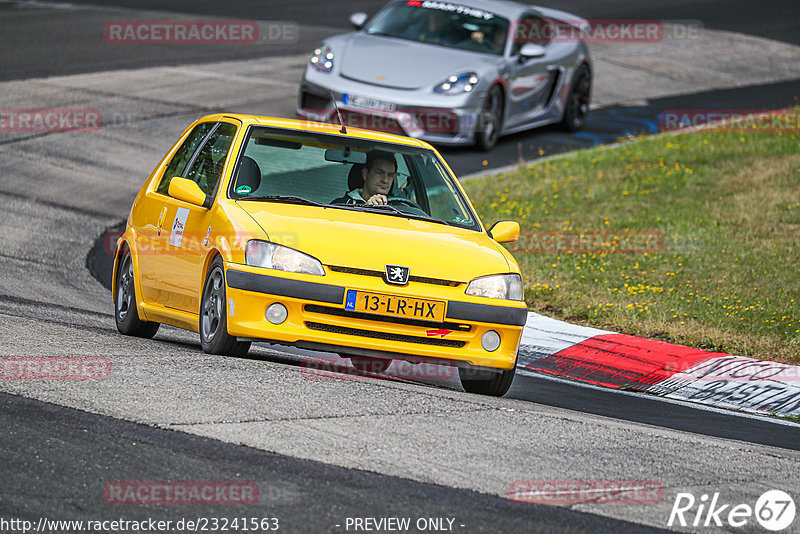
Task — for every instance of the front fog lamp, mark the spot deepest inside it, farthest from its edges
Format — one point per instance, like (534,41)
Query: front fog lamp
(457,84)
(497,286)
(322,58)
(490,341)
(276,313)
(272,256)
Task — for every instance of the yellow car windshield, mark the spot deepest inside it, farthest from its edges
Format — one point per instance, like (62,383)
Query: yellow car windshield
(291,166)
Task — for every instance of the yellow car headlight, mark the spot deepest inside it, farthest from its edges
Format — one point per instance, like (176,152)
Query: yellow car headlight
(497,286)
(272,256)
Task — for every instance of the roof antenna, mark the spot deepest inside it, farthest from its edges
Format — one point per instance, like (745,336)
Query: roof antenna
(343,130)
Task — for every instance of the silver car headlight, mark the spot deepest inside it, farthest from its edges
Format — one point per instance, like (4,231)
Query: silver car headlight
(497,286)
(272,256)
(457,84)
(322,58)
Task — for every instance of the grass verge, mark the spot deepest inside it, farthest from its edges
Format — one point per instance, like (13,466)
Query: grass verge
(691,238)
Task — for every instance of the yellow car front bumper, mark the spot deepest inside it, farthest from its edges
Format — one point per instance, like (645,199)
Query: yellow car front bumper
(317,318)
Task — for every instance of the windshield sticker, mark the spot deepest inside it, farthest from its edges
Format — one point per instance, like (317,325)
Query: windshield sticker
(454,8)
(243,190)
(178,225)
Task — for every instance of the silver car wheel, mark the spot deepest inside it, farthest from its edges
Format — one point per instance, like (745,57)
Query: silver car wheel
(124,293)
(213,305)
(577,106)
(490,118)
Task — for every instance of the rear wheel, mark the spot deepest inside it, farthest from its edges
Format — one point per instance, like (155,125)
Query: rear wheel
(214,335)
(577,106)
(370,365)
(482,382)
(126,312)
(490,120)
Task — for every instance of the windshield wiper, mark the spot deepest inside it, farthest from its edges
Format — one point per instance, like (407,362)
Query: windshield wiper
(380,33)
(390,210)
(393,211)
(288,199)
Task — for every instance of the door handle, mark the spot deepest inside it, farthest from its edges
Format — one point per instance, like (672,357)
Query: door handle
(161,219)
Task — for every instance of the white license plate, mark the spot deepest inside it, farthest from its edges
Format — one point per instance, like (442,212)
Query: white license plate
(368,103)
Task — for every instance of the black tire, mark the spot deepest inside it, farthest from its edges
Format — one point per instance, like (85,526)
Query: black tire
(577,106)
(214,335)
(481,382)
(370,365)
(126,313)
(490,120)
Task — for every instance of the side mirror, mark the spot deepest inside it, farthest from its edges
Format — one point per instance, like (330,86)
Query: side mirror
(531,50)
(188,191)
(504,231)
(358,20)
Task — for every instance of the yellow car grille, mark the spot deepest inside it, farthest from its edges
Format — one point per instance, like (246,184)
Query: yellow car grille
(384,335)
(380,274)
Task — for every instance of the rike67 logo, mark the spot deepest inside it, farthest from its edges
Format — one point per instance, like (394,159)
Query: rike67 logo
(774,510)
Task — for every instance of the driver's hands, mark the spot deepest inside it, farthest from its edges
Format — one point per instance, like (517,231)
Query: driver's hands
(377,200)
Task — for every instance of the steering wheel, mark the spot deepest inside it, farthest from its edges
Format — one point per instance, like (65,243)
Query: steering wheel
(401,200)
(407,202)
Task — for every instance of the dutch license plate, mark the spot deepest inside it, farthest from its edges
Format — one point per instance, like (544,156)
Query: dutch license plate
(411,308)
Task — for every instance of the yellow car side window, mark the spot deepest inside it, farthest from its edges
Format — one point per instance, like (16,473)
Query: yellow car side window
(184,154)
(207,167)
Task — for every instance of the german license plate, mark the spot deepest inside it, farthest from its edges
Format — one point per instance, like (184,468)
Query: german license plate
(411,308)
(367,102)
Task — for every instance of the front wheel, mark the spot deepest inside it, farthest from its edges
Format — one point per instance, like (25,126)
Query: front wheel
(490,120)
(214,336)
(126,313)
(577,106)
(490,383)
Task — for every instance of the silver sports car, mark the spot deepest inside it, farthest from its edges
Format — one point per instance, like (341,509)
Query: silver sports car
(452,73)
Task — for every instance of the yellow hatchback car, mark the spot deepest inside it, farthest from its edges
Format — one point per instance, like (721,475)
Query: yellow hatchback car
(306,234)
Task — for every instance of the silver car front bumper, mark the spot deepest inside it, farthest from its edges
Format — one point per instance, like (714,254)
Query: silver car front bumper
(425,115)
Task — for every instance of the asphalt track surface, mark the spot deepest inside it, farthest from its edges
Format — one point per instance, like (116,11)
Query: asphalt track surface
(71,454)
(70,40)
(56,459)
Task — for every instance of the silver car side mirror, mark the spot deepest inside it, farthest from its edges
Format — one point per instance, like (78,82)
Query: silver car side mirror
(358,20)
(531,50)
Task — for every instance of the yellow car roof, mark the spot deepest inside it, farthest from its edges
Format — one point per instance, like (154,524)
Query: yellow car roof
(321,127)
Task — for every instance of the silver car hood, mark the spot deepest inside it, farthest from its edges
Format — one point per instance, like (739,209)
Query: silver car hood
(401,64)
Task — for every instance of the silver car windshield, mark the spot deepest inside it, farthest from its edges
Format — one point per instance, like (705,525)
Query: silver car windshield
(443,24)
(289,166)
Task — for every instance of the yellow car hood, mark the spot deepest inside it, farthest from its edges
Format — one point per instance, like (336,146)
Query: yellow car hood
(370,241)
